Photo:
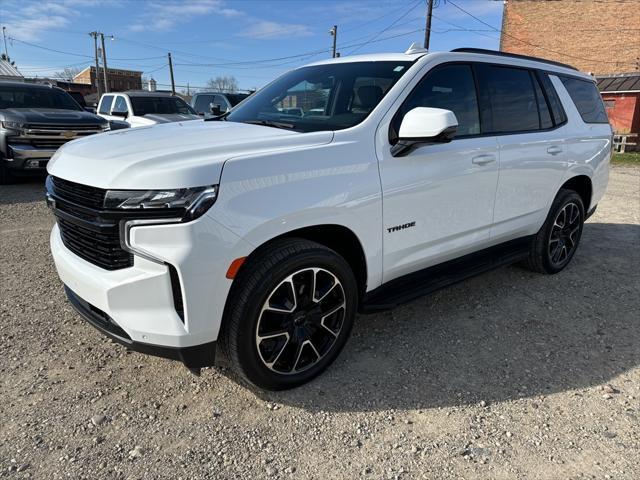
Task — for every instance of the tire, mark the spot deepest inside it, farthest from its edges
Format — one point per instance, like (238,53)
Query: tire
(555,244)
(6,177)
(275,334)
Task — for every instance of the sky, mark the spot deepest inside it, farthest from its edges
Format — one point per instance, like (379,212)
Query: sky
(252,40)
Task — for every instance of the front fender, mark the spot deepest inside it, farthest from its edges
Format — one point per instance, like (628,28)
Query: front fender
(264,196)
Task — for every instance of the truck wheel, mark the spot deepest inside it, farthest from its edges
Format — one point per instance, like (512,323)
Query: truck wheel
(289,314)
(557,241)
(6,176)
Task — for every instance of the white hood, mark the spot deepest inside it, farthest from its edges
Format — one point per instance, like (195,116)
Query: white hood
(171,155)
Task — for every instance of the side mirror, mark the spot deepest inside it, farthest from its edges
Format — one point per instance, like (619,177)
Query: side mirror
(215,109)
(424,125)
(120,113)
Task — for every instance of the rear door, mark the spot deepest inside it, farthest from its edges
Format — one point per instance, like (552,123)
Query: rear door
(516,109)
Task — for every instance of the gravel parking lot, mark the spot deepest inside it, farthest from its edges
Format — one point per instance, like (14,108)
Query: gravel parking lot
(509,375)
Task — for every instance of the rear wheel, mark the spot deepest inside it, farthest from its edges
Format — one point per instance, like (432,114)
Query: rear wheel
(557,241)
(289,314)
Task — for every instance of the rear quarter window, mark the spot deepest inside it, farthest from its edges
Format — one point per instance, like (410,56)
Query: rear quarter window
(586,98)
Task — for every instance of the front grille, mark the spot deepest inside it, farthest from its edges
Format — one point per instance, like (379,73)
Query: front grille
(100,248)
(47,143)
(86,229)
(82,195)
(48,128)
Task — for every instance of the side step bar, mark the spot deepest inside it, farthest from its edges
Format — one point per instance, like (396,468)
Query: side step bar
(423,282)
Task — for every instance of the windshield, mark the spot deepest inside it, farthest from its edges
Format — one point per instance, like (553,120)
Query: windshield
(36,97)
(236,98)
(321,97)
(160,105)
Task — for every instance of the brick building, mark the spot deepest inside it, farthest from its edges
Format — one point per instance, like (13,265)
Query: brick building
(119,80)
(621,95)
(597,36)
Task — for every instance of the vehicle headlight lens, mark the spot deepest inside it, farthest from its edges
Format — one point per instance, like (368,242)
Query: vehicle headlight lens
(188,203)
(12,125)
(105,127)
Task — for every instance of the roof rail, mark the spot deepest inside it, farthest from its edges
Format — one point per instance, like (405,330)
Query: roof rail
(512,55)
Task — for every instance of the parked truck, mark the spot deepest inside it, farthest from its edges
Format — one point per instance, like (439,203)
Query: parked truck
(35,120)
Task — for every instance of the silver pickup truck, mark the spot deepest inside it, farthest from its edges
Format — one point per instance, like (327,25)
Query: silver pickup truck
(35,120)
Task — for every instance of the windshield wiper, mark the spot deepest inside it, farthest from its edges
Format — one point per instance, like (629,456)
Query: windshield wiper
(271,123)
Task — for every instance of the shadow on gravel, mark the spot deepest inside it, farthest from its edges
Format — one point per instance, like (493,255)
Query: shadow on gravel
(25,190)
(502,336)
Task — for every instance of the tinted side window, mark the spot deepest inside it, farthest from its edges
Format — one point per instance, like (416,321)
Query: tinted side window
(543,107)
(559,116)
(202,103)
(219,100)
(587,99)
(105,106)
(514,106)
(120,104)
(451,87)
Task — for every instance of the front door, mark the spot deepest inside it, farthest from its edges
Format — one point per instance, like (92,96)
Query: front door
(438,200)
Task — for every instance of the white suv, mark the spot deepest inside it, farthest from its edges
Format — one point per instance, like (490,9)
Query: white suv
(265,231)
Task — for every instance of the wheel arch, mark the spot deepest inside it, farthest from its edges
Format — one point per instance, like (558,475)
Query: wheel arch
(582,185)
(338,238)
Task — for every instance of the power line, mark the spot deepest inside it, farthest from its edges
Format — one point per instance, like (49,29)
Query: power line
(385,15)
(387,28)
(13,39)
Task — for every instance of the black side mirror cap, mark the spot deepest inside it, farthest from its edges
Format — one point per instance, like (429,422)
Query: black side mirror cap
(404,146)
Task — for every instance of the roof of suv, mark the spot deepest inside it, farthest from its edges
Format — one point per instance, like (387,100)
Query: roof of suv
(500,57)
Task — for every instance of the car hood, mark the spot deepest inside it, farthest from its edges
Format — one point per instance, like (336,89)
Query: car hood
(170,117)
(171,155)
(50,116)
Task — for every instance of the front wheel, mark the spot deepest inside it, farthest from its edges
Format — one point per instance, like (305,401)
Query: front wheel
(289,314)
(6,177)
(555,244)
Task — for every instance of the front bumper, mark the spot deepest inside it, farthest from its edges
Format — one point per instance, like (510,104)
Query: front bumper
(193,357)
(139,300)
(27,158)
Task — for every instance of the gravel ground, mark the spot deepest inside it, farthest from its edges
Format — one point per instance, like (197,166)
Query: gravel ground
(509,375)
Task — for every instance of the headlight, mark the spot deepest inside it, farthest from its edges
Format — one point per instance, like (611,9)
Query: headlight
(189,203)
(105,127)
(12,125)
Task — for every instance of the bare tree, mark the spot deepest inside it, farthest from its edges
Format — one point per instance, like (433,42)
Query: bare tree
(224,84)
(67,74)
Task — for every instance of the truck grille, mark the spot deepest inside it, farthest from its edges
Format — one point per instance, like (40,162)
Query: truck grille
(86,229)
(52,137)
(59,129)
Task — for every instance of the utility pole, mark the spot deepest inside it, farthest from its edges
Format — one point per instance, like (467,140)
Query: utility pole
(334,34)
(4,37)
(95,47)
(104,64)
(173,83)
(427,30)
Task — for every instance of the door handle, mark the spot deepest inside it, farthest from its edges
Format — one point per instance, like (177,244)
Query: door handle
(483,159)
(554,150)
